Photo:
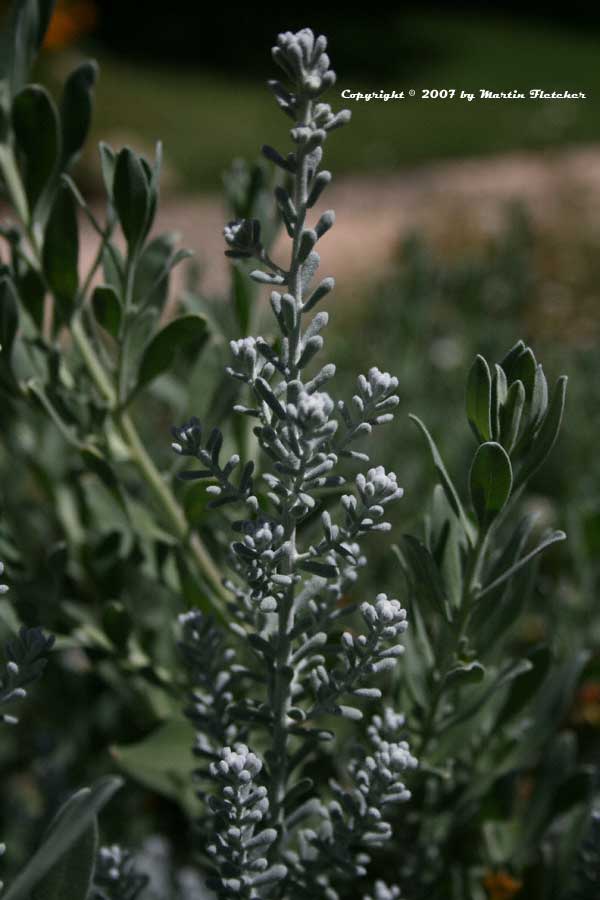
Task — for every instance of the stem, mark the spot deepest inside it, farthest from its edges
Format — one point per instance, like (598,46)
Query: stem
(280,693)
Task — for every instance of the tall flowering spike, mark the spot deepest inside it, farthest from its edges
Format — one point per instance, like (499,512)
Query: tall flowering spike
(287,582)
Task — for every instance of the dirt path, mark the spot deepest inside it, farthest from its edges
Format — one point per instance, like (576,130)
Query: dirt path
(441,199)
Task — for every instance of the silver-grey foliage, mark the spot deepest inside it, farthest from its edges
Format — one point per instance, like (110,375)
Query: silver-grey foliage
(295,552)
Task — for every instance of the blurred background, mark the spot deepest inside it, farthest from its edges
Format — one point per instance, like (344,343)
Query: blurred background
(461,228)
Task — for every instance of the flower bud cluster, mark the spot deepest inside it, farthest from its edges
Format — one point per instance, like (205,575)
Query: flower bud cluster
(115,876)
(382,891)
(241,847)
(243,237)
(211,672)
(26,658)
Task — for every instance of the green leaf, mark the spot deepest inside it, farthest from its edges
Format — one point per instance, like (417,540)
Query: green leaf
(446,545)
(539,397)
(96,463)
(31,290)
(71,876)
(60,254)
(156,262)
(131,197)
(324,570)
(525,688)
(21,36)
(523,369)
(107,309)
(555,698)
(107,165)
(546,436)
(466,673)
(490,481)
(510,415)
(499,392)
(425,576)
(161,350)
(244,294)
(557,765)
(513,354)
(35,123)
(73,819)
(478,697)
(117,624)
(195,503)
(479,399)
(547,542)
(9,320)
(446,482)
(76,110)
(162,761)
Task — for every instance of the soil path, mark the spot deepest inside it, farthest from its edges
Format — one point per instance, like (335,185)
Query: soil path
(441,199)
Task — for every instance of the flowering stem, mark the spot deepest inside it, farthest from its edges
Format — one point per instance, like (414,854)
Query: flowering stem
(281,688)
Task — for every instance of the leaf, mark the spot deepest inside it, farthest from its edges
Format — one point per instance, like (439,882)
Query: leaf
(479,399)
(72,875)
(160,352)
(510,415)
(508,361)
(117,624)
(324,570)
(525,688)
(21,35)
(107,309)
(490,481)
(243,293)
(157,260)
(60,254)
(107,165)
(447,551)
(539,397)
(546,436)
(131,197)
(467,673)
(555,699)
(557,764)
(31,290)
(510,670)
(71,822)
(426,579)
(35,123)
(76,110)
(449,489)
(96,463)
(522,368)
(499,392)
(162,761)
(552,538)
(9,321)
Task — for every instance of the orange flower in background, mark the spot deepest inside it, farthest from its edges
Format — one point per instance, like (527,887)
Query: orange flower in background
(501,886)
(69,22)
(586,710)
